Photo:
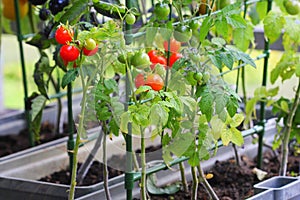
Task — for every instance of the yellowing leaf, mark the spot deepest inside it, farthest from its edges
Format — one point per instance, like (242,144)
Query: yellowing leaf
(237,137)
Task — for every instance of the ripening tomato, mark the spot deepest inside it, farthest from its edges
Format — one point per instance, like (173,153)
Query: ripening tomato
(174,45)
(90,52)
(156,57)
(174,57)
(9,9)
(155,82)
(139,80)
(64,35)
(69,53)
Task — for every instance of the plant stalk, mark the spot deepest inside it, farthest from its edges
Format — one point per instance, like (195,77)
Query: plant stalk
(183,179)
(105,170)
(143,162)
(78,136)
(207,186)
(287,132)
(195,183)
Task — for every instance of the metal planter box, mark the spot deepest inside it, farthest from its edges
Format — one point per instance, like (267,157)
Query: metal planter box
(278,188)
(19,173)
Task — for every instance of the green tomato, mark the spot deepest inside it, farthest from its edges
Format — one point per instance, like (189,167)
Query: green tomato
(291,7)
(183,33)
(198,76)
(122,58)
(206,77)
(90,44)
(130,19)
(190,78)
(140,60)
(161,10)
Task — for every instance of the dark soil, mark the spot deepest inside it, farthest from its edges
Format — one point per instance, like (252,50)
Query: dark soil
(13,143)
(231,182)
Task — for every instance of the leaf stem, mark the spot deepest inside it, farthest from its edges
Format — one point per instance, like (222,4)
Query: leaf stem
(195,183)
(207,186)
(183,179)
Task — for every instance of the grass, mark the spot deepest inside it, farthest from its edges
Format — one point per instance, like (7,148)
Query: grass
(12,75)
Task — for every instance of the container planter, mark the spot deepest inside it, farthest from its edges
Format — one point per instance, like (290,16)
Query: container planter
(165,177)
(20,171)
(278,188)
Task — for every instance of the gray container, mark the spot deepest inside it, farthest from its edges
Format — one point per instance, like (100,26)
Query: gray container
(19,172)
(278,188)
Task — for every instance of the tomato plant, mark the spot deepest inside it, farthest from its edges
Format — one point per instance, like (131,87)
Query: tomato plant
(155,82)
(174,45)
(69,53)
(63,35)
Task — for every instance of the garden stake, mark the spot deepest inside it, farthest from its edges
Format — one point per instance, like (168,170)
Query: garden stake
(262,104)
(25,87)
(71,142)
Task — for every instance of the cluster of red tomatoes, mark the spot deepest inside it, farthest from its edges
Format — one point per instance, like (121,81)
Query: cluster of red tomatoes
(158,57)
(69,52)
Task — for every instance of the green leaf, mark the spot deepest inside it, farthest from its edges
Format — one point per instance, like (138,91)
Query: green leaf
(73,14)
(158,115)
(236,21)
(261,8)
(242,37)
(284,106)
(217,127)
(232,106)
(226,136)
(125,119)
(204,29)
(42,67)
(237,137)
(69,76)
(220,101)
(297,71)
(216,60)
(194,159)
(189,104)
(206,104)
(186,124)
(222,27)
(38,104)
(178,146)
(227,59)
(273,92)
(152,187)
(40,41)
(150,35)
(236,120)
(273,25)
(140,114)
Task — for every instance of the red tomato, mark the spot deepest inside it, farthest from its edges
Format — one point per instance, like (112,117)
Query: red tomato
(63,35)
(156,58)
(69,53)
(174,45)
(67,62)
(174,57)
(139,80)
(90,52)
(155,82)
